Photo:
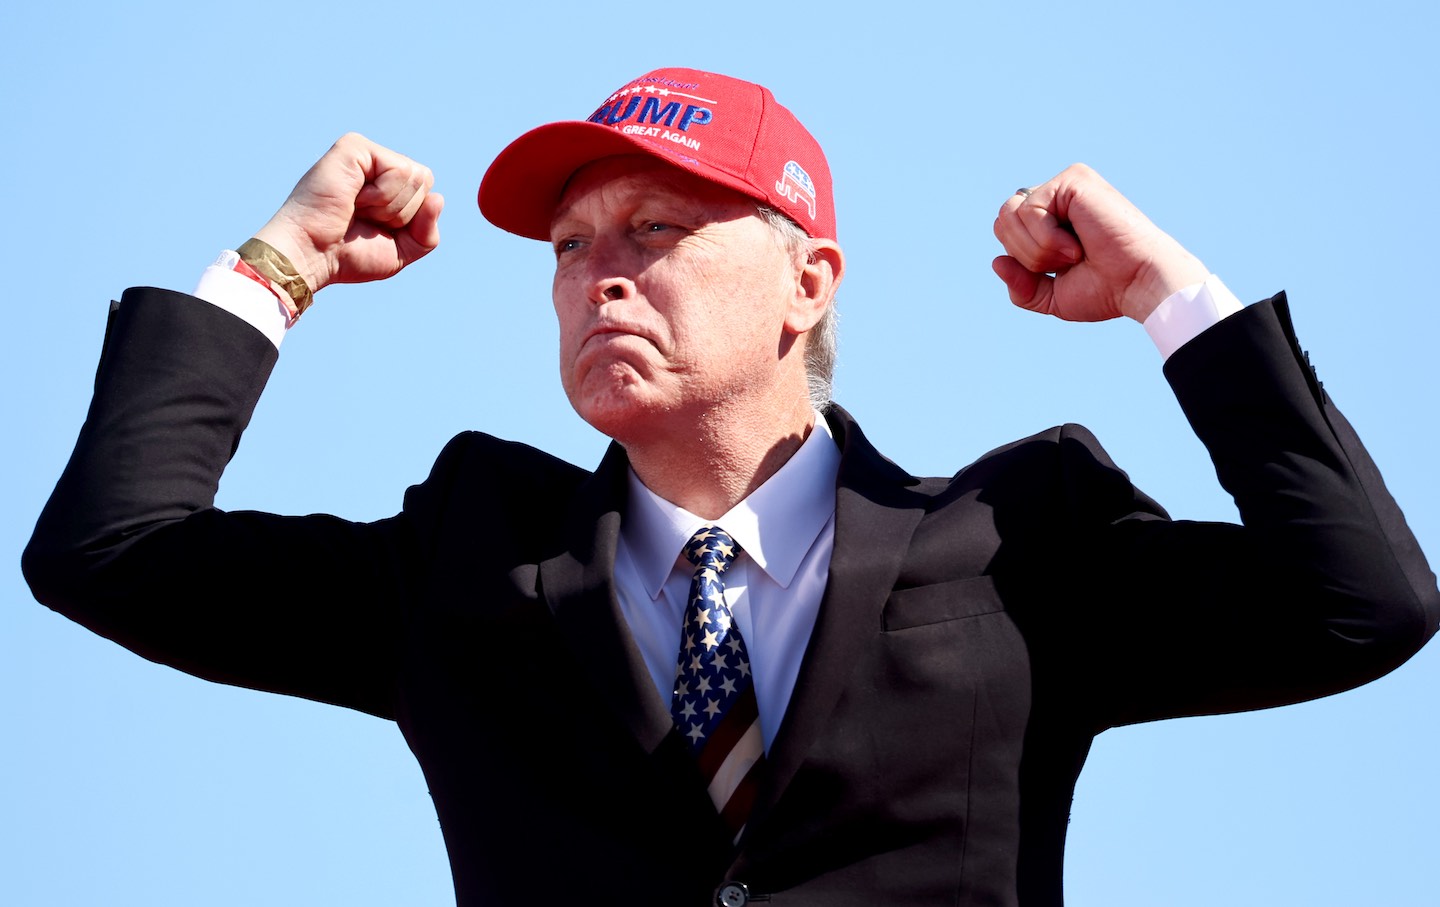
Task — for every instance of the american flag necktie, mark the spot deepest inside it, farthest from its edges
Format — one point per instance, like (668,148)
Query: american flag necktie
(713,705)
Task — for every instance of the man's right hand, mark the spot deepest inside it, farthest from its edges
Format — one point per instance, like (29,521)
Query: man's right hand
(361,213)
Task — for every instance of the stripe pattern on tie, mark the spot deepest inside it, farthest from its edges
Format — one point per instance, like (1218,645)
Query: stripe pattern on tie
(713,705)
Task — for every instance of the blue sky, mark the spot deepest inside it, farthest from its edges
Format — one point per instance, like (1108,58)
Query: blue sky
(1290,146)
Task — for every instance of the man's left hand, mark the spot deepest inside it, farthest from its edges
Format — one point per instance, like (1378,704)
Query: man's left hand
(1077,249)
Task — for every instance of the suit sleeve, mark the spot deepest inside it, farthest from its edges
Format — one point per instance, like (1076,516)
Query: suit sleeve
(1321,589)
(131,545)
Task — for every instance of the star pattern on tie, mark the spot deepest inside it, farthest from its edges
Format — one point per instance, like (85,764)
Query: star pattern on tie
(713,705)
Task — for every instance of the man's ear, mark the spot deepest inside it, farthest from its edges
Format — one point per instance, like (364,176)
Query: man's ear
(816,282)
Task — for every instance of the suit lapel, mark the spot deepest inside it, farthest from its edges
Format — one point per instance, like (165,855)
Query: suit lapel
(875,516)
(579,587)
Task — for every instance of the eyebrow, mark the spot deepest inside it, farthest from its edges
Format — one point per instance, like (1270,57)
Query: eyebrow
(644,194)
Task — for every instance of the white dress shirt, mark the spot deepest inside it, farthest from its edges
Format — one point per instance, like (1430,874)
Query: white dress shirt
(786,531)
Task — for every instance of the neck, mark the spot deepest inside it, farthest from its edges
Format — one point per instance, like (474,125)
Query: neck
(723,458)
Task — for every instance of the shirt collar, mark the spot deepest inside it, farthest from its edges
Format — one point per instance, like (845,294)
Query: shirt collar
(776,524)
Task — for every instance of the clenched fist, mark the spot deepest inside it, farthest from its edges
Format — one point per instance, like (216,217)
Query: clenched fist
(1077,249)
(361,213)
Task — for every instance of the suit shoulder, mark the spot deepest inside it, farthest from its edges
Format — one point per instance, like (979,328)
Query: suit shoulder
(476,458)
(1061,466)
(1049,449)
(512,457)
(485,491)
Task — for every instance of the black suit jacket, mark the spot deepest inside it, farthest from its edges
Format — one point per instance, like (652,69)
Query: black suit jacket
(976,631)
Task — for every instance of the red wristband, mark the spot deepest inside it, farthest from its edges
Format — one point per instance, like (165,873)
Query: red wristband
(242,266)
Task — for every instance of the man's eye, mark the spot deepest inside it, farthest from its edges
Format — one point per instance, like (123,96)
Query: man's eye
(566,245)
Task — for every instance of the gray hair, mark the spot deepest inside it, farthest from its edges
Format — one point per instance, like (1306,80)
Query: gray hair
(822,341)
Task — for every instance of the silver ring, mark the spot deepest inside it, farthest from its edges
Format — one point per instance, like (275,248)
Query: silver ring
(1024,192)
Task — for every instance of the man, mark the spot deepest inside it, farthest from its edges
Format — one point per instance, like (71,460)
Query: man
(747,658)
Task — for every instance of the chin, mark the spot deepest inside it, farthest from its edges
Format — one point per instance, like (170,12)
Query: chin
(622,413)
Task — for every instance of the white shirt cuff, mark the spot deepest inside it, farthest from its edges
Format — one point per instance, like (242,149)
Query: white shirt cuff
(1187,312)
(243,298)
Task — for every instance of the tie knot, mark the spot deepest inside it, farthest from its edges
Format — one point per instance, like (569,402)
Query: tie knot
(712,547)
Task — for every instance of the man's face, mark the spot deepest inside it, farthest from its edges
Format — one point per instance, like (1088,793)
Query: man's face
(672,296)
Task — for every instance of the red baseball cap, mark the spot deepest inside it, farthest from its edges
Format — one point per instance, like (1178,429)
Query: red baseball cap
(724,130)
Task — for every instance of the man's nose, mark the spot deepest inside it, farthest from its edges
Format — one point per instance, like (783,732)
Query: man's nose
(611,289)
(611,267)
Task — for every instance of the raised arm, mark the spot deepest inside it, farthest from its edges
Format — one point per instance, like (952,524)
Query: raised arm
(1324,586)
(130,543)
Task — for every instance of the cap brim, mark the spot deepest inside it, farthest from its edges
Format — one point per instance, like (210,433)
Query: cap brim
(523,186)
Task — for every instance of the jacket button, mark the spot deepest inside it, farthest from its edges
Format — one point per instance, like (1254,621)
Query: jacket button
(732,894)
